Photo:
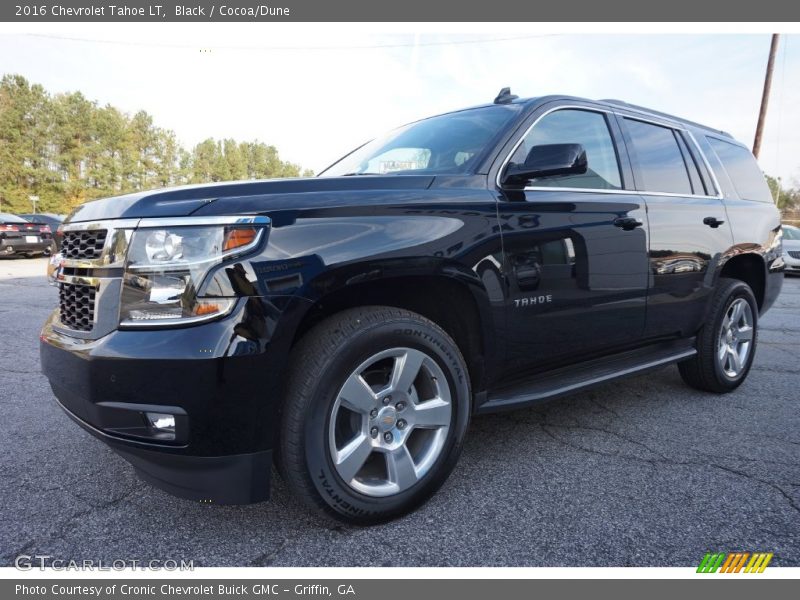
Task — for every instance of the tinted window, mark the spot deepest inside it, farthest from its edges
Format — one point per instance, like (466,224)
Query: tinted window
(661,164)
(583,127)
(691,166)
(743,170)
(445,144)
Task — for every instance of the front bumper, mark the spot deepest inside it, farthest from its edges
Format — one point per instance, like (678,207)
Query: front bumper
(221,379)
(233,479)
(792,264)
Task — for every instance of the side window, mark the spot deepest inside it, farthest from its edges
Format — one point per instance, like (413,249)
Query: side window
(742,169)
(659,157)
(691,167)
(572,126)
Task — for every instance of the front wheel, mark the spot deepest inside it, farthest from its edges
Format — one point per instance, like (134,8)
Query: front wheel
(375,414)
(726,345)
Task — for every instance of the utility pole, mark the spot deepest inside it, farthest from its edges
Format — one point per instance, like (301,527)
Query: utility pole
(762,114)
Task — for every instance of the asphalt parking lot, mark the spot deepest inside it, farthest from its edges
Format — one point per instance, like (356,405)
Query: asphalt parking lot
(645,472)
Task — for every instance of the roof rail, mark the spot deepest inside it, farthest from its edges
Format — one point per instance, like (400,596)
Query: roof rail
(642,109)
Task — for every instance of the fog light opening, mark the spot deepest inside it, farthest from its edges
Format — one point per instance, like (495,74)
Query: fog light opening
(161,423)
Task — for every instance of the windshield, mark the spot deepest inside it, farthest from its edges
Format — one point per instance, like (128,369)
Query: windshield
(791,233)
(450,143)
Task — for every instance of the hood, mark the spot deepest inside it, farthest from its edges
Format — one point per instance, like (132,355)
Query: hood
(246,196)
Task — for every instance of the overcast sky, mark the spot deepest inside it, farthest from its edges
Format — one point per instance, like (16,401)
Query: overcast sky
(317,91)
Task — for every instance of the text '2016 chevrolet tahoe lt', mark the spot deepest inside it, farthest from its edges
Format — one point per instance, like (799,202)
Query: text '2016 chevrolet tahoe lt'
(348,326)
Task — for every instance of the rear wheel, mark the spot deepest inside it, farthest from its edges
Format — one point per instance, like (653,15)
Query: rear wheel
(727,343)
(375,414)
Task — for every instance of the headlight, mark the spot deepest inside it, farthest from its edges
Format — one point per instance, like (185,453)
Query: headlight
(166,265)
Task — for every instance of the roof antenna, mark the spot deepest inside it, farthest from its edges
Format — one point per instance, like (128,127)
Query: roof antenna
(505,96)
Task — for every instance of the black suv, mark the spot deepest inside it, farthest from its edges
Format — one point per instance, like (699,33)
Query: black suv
(348,326)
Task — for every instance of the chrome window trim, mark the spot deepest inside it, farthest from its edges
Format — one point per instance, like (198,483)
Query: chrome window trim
(664,123)
(542,188)
(675,125)
(714,180)
(530,128)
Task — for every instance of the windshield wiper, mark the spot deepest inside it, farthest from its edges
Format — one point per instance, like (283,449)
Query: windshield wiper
(354,174)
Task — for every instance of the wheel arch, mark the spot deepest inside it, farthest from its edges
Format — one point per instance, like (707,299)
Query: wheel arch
(751,268)
(450,297)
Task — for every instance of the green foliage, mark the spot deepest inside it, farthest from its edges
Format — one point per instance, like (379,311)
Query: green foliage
(786,199)
(66,150)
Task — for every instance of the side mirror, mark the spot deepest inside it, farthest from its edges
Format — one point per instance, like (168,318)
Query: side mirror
(548,160)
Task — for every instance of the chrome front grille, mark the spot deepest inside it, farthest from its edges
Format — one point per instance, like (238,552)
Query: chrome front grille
(794,253)
(89,278)
(76,305)
(83,245)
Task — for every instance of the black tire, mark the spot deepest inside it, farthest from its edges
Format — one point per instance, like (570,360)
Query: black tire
(704,371)
(320,364)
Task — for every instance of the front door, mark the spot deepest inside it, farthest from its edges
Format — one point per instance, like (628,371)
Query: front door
(575,250)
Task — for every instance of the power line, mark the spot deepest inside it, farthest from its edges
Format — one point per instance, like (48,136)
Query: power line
(312,48)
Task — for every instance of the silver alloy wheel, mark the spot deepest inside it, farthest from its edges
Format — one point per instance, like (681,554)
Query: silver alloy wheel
(390,422)
(735,338)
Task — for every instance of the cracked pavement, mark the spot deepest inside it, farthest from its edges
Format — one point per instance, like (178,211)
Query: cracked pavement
(640,472)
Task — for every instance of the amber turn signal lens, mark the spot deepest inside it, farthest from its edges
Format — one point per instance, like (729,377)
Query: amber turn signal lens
(238,237)
(208,308)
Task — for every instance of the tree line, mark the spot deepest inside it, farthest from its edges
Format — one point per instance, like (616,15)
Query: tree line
(786,198)
(66,149)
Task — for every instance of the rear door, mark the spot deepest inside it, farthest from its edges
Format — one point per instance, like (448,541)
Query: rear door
(689,232)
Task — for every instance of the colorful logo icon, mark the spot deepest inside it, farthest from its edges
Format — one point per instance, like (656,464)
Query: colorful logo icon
(734,562)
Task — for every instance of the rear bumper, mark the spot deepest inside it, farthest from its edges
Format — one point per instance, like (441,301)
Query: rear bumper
(220,380)
(19,246)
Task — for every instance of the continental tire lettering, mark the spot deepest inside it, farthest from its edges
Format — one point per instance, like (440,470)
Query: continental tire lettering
(445,350)
(340,502)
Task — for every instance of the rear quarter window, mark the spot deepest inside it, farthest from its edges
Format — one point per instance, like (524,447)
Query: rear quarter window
(742,169)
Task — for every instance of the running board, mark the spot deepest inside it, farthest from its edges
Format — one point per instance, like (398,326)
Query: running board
(573,378)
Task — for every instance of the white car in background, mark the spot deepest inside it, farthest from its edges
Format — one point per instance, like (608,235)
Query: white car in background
(791,248)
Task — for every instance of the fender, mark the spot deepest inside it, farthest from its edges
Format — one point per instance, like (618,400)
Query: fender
(412,284)
(392,252)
